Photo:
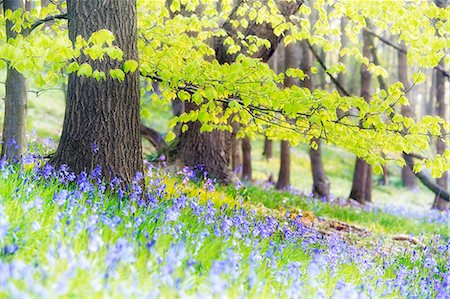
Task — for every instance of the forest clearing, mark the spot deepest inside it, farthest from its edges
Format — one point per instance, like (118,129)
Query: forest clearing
(224,149)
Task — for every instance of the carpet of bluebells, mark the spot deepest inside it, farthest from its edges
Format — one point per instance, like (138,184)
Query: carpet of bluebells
(63,235)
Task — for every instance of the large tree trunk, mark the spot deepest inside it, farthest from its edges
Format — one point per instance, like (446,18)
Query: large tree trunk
(101,122)
(284,174)
(321,184)
(362,177)
(15,121)
(208,149)
(246,159)
(408,177)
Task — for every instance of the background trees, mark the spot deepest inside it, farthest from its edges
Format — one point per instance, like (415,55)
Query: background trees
(212,57)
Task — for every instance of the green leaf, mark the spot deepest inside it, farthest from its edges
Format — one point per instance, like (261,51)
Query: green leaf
(130,66)
(117,74)
(85,70)
(170,136)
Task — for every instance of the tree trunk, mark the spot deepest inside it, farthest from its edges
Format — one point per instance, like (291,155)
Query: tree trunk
(15,121)
(235,148)
(101,122)
(29,5)
(362,177)
(284,174)
(268,148)
(321,184)
(246,159)
(441,111)
(208,149)
(408,178)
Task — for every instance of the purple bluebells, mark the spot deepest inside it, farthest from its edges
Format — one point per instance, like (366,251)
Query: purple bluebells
(54,240)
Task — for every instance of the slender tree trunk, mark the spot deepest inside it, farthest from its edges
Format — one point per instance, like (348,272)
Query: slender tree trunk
(246,159)
(321,184)
(362,177)
(441,103)
(101,122)
(284,175)
(441,111)
(408,177)
(268,148)
(15,121)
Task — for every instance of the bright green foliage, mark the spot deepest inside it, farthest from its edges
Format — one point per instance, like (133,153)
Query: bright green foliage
(176,50)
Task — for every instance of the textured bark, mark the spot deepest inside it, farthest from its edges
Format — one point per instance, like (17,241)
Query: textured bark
(362,177)
(284,175)
(15,120)
(408,178)
(246,159)
(321,184)
(208,149)
(101,122)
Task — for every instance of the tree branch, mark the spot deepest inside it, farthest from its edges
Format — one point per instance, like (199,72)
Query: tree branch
(154,137)
(426,180)
(62,16)
(322,64)
(398,48)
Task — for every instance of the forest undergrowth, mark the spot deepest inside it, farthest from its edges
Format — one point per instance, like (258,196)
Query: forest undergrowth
(184,236)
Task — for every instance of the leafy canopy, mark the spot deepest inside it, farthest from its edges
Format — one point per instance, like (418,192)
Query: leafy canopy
(177,44)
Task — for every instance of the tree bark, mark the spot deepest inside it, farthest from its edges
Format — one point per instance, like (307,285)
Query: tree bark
(153,137)
(206,149)
(441,111)
(101,122)
(15,121)
(408,178)
(321,184)
(246,159)
(236,164)
(29,5)
(284,175)
(362,177)
(268,148)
